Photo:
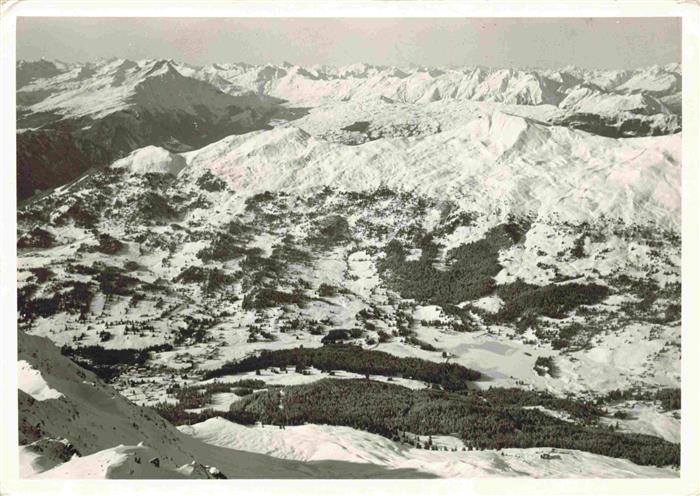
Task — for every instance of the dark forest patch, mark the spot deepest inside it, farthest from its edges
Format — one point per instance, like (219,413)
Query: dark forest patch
(481,422)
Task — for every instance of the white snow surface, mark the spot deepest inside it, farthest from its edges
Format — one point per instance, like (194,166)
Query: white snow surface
(491,304)
(322,442)
(31,382)
(113,463)
(648,419)
(151,159)
(496,162)
(591,101)
(27,463)
(102,88)
(105,86)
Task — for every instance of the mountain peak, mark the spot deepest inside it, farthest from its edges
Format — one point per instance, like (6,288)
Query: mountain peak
(151,159)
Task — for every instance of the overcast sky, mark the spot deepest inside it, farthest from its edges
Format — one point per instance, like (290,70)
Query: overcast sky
(604,43)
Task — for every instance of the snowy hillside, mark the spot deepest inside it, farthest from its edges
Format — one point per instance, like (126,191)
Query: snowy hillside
(97,90)
(313,86)
(91,432)
(492,162)
(452,272)
(93,113)
(89,115)
(313,442)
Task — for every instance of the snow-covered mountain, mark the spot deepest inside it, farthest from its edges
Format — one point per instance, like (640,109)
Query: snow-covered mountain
(491,163)
(97,90)
(436,233)
(100,87)
(88,115)
(318,85)
(74,116)
(411,84)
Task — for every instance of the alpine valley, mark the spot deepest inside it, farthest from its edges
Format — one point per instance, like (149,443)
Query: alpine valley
(241,271)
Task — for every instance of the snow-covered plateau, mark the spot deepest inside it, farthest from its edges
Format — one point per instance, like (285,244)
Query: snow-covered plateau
(285,272)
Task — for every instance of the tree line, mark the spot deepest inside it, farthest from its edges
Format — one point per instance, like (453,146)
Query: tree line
(391,410)
(355,359)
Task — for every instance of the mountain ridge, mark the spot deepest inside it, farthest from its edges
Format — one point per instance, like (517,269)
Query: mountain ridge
(488,257)
(74,116)
(479,153)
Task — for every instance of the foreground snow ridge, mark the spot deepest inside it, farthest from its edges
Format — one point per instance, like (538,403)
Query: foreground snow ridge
(324,442)
(520,227)
(134,462)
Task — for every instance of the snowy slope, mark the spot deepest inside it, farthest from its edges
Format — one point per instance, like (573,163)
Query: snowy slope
(648,419)
(654,80)
(91,114)
(322,442)
(113,80)
(109,433)
(113,463)
(493,162)
(588,100)
(174,235)
(31,382)
(154,85)
(151,159)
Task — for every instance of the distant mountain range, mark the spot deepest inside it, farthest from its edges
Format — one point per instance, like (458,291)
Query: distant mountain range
(71,117)
(439,271)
